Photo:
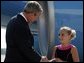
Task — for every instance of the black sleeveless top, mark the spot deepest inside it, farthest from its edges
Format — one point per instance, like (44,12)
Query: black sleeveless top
(64,55)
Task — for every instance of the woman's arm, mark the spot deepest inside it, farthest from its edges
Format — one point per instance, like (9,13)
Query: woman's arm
(53,54)
(75,55)
(54,51)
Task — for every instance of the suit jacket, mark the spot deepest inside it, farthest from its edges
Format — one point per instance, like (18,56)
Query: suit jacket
(19,41)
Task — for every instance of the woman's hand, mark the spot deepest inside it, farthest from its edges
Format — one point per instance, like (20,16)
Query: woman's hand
(59,60)
(52,60)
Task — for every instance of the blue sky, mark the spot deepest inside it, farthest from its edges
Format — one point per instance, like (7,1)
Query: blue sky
(68,4)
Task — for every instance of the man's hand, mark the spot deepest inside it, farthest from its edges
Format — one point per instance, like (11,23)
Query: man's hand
(44,59)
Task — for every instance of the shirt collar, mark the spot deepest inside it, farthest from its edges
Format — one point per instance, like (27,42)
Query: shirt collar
(23,15)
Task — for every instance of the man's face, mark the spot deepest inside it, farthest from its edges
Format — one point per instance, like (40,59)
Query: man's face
(33,16)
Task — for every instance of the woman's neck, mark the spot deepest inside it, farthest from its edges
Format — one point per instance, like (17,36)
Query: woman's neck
(65,44)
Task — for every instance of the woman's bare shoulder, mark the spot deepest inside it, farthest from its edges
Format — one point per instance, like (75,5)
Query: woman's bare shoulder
(74,48)
(55,47)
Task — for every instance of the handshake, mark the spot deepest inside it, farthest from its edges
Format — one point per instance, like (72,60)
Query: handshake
(45,59)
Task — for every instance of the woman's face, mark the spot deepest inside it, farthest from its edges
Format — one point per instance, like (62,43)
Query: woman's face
(64,36)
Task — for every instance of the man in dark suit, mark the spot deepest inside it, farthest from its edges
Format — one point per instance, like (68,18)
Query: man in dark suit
(19,39)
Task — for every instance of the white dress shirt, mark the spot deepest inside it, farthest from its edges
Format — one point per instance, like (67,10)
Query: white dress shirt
(23,16)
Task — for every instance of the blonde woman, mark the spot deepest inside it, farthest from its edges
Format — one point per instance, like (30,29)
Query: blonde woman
(65,52)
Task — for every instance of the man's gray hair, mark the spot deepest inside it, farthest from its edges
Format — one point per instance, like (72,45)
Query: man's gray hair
(33,6)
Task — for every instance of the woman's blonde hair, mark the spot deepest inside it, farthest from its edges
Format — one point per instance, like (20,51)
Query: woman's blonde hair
(70,31)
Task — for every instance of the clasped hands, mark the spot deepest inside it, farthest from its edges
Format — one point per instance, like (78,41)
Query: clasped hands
(45,59)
